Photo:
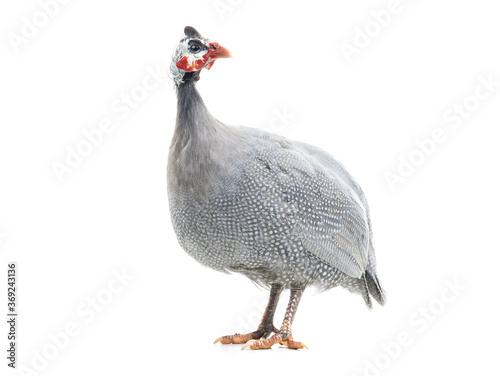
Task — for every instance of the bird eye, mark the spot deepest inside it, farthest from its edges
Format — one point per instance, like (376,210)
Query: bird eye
(194,47)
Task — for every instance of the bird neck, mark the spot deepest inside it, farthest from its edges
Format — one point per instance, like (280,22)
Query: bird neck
(199,145)
(192,114)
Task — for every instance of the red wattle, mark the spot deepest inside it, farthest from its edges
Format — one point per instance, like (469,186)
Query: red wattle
(193,66)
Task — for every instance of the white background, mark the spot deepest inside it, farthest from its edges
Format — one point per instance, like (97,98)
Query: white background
(111,212)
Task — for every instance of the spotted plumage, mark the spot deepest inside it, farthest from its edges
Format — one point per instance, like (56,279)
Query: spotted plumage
(281,212)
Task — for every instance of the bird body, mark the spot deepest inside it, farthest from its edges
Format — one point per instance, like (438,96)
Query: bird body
(281,212)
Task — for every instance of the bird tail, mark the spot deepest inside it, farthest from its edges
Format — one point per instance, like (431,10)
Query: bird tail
(373,288)
(365,290)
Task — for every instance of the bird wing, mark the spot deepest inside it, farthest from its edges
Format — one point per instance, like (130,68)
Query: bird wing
(339,230)
(330,211)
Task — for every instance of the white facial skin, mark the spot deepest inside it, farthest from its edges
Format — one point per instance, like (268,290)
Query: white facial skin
(183,49)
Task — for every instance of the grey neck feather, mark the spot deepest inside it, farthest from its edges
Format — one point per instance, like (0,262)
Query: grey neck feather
(192,115)
(201,145)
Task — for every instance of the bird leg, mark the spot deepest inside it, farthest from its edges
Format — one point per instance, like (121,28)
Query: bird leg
(266,326)
(284,336)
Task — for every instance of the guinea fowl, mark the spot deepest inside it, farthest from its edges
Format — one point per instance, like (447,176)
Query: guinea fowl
(283,213)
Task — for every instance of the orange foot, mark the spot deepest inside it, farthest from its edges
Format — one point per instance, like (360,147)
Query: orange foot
(277,338)
(244,338)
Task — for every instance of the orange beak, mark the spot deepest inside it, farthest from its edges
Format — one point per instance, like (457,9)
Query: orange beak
(215,52)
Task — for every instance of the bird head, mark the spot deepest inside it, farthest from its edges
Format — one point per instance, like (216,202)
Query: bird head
(193,54)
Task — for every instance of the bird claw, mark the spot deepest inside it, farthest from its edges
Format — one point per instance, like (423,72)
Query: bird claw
(291,344)
(263,344)
(249,344)
(236,338)
(244,338)
(218,340)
